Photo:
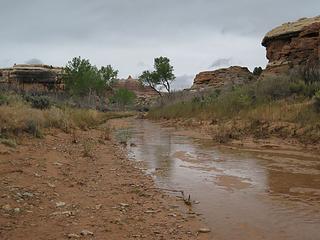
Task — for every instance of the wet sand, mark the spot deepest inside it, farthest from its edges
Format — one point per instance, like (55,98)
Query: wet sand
(81,185)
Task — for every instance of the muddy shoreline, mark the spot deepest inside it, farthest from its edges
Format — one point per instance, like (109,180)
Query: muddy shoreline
(81,185)
(201,130)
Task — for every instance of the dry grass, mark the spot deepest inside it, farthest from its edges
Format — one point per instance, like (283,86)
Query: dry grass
(274,107)
(18,117)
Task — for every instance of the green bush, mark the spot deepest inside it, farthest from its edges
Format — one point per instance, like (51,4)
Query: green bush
(38,102)
(273,88)
(123,97)
(257,71)
(317,101)
(3,99)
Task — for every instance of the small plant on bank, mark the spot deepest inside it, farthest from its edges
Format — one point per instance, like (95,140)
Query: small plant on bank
(8,142)
(317,101)
(33,128)
(88,147)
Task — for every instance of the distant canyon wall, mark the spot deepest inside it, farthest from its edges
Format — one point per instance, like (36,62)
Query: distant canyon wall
(32,77)
(289,47)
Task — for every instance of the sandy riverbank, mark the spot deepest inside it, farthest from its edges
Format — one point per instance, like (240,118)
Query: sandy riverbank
(81,185)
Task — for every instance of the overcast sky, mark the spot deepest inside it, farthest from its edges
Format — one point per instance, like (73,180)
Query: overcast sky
(196,35)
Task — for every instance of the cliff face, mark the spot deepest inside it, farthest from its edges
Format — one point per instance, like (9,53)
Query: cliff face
(292,45)
(31,76)
(218,78)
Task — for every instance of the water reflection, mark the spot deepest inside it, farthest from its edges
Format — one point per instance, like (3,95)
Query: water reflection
(242,195)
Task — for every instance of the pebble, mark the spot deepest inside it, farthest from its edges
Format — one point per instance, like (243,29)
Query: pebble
(27,194)
(51,185)
(124,205)
(60,204)
(7,207)
(204,230)
(73,235)
(17,210)
(86,233)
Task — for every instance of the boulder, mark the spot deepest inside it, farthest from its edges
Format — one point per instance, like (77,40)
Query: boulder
(234,75)
(292,45)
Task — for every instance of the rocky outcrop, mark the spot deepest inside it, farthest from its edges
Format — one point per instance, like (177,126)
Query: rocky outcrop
(293,45)
(32,76)
(135,86)
(145,95)
(234,75)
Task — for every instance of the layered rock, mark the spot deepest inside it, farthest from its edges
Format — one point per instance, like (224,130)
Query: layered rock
(234,75)
(32,76)
(293,45)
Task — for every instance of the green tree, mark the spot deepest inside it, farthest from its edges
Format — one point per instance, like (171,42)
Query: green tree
(109,75)
(81,78)
(161,77)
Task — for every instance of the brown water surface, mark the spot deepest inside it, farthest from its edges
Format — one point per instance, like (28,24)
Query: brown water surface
(242,195)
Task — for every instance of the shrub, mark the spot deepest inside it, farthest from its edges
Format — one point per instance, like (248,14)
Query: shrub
(257,71)
(39,102)
(123,97)
(273,88)
(3,99)
(310,73)
(34,128)
(317,101)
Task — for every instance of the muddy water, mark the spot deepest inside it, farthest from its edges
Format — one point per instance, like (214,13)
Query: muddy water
(241,195)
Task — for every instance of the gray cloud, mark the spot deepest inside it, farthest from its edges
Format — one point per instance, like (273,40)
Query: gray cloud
(182,82)
(221,62)
(34,61)
(123,32)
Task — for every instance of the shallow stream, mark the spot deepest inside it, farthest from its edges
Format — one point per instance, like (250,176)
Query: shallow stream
(242,195)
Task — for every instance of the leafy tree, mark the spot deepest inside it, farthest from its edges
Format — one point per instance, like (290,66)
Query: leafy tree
(81,78)
(109,75)
(161,77)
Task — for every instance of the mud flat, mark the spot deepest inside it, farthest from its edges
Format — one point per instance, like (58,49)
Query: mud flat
(81,185)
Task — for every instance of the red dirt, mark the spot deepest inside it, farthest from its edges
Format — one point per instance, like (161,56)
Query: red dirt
(103,193)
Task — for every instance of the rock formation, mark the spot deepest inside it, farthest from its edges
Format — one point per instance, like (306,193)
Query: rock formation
(135,86)
(33,76)
(222,77)
(145,95)
(293,45)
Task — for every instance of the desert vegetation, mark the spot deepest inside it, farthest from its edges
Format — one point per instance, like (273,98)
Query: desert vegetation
(286,106)
(161,77)
(33,115)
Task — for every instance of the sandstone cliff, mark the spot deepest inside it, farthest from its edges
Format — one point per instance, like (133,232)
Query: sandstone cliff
(293,45)
(28,76)
(222,77)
